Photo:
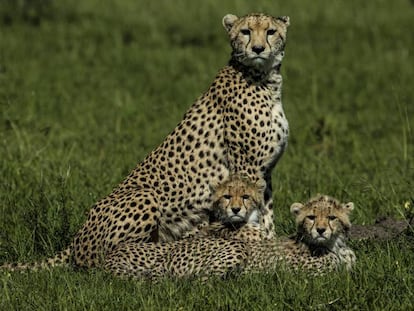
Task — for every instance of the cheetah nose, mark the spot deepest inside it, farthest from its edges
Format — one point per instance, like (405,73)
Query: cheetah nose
(235,210)
(321,230)
(258,49)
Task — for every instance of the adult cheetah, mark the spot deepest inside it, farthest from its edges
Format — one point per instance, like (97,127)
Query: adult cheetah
(318,247)
(237,125)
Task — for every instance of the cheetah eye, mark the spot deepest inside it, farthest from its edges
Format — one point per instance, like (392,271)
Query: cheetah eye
(245,32)
(311,217)
(227,196)
(271,32)
(332,217)
(245,197)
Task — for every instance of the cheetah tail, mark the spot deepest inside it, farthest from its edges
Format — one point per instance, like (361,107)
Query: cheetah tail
(61,259)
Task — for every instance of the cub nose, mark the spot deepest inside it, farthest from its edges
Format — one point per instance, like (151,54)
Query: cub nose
(258,49)
(321,230)
(235,210)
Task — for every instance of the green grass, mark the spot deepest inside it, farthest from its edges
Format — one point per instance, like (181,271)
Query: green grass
(88,88)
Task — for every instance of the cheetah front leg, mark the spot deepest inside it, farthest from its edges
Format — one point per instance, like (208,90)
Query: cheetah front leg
(267,219)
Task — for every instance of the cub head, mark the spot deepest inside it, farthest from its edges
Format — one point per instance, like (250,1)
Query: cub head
(258,40)
(322,220)
(238,200)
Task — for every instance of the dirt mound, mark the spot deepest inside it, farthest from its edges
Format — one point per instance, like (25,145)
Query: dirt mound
(384,228)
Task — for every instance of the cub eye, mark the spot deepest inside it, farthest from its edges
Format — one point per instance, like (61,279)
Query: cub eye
(311,217)
(227,196)
(271,32)
(245,32)
(332,217)
(245,197)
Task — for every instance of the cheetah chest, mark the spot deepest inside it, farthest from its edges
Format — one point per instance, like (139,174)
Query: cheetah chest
(256,127)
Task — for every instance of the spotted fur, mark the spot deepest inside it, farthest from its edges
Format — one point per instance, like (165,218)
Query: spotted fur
(237,125)
(317,252)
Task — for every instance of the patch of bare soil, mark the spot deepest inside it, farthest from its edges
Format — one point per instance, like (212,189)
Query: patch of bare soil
(385,228)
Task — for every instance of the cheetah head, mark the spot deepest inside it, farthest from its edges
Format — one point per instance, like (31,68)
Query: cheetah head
(258,40)
(322,220)
(238,200)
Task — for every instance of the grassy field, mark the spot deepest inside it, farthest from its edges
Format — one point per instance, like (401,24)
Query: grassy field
(88,88)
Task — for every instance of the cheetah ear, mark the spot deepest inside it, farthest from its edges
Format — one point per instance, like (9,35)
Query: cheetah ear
(261,185)
(295,208)
(213,186)
(348,207)
(228,21)
(284,19)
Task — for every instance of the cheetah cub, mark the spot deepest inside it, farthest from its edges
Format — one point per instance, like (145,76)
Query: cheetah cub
(236,212)
(318,246)
(213,248)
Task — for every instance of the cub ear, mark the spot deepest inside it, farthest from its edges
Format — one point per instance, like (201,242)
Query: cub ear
(348,206)
(284,19)
(295,208)
(228,21)
(214,184)
(261,185)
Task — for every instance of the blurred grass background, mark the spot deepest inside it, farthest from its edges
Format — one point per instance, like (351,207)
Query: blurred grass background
(88,88)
